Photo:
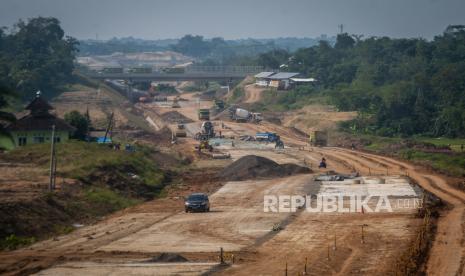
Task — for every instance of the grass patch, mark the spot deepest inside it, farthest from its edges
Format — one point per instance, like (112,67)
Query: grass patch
(237,94)
(275,100)
(13,242)
(78,159)
(449,163)
(133,174)
(432,152)
(454,144)
(107,197)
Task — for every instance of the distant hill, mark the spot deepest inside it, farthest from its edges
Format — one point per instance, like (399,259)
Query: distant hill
(248,46)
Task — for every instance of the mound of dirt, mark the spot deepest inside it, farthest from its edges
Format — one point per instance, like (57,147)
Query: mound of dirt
(174,117)
(167,258)
(252,166)
(208,95)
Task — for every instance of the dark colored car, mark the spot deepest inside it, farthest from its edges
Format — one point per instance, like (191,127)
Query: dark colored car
(197,202)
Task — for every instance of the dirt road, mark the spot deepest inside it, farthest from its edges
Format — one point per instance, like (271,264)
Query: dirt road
(262,243)
(252,93)
(447,254)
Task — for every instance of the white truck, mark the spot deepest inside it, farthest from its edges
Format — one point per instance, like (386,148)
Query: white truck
(242,115)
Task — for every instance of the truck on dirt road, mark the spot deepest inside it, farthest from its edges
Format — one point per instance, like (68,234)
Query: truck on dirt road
(180,131)
(242,115)
(267,137)
(204,114)
(318,138)
(219,104)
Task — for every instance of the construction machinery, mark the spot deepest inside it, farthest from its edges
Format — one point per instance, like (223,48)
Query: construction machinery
(160,99)
(180,131)
(219,104)
(318,138)
(267,137)
(207,131)
(279,144)
(204,144)
(204,114)
(242,115)
(176,103)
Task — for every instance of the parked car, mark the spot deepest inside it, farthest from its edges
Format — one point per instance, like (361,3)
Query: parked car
(197,202)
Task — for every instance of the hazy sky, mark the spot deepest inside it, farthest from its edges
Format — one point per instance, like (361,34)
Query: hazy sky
(154,19)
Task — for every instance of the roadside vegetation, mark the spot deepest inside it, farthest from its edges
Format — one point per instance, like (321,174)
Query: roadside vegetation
(94,180)
(87,162)
(444,155)
(400,87)
(273,100)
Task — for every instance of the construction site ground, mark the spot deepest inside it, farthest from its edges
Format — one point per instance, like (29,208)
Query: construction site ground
(261,243)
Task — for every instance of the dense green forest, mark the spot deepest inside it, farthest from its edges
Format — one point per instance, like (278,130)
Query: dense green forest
(398,86)
(34,55)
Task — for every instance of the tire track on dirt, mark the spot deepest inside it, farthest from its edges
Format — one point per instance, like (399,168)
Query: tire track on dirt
(446,256)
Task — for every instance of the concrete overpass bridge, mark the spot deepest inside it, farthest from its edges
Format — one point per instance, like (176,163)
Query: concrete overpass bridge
(190,73)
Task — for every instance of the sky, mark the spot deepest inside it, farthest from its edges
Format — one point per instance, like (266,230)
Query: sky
(232,19)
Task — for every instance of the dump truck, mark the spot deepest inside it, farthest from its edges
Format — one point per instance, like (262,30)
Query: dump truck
(219,104)
(181,131)
(175,103)
(318,138)
(242,115)
(204,114)
(267,137)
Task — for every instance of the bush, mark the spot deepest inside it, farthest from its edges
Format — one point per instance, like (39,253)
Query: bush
(107,197)
(13,242)
(80,122)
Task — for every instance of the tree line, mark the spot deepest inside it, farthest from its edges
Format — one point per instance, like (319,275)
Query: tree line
(398,86)
(35,55)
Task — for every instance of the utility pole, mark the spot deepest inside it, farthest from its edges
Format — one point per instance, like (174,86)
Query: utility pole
(53,166)
(341,28)
(109,127)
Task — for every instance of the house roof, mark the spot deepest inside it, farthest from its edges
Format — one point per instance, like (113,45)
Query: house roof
(264,74)
(283,75)
(39,104)
(303,79)
(45,123)
(39,118)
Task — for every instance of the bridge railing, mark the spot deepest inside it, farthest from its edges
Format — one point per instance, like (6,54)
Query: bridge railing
(224,69)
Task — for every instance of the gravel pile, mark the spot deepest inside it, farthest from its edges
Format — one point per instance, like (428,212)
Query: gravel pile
(252,166)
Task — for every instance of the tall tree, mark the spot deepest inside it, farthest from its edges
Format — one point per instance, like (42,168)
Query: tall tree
(40,56)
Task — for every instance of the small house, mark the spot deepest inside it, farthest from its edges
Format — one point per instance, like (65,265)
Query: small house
(261,78)
(281,80)
(36,127)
